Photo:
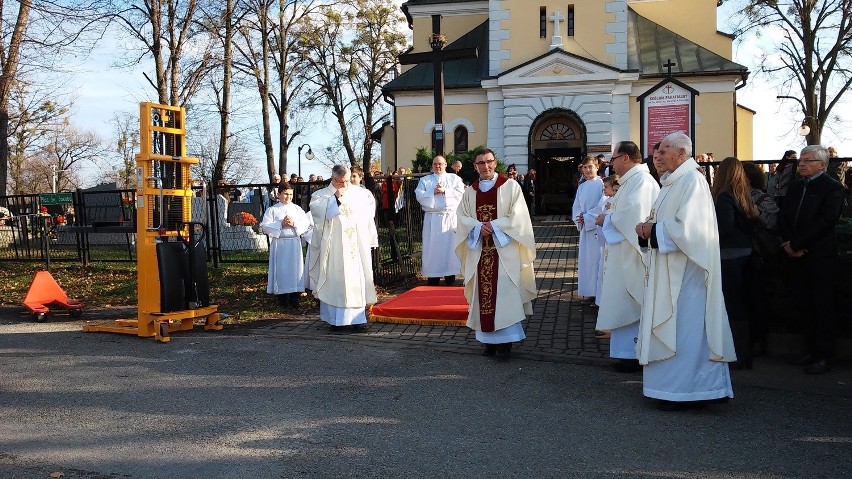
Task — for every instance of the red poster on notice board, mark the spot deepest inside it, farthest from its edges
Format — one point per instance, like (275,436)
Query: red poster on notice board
(666,109)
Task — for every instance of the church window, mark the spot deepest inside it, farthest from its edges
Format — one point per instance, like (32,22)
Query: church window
(460,137)
(542,22)
(557,131)
(570,20)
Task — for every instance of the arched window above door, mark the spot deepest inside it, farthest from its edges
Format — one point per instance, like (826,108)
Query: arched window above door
(557,130)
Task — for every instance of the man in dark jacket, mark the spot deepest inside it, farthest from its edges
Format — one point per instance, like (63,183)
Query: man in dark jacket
(809,215)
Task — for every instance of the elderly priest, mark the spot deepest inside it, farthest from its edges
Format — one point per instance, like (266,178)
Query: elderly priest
(684,337)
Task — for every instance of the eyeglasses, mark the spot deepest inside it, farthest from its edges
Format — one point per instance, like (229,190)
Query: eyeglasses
(809,161)
(617,156)
(484,162)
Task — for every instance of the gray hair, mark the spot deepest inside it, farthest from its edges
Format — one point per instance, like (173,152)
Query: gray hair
(339,170)
(820,152)
(679,140)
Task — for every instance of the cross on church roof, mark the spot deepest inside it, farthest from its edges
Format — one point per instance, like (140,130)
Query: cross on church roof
(669,66)
(556,40)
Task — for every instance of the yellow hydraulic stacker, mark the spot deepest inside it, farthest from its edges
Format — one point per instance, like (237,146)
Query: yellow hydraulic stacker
(173,288)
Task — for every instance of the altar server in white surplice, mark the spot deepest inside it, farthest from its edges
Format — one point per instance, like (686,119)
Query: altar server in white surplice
(624,269)
(496,247)
(585,202)
(284,223)
(439,195)
(341,262)
(684,336)
(604,208)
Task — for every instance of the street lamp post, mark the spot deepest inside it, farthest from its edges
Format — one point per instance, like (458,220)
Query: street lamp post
(309,156)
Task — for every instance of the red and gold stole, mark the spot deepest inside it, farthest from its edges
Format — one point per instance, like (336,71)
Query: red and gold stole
(486,210)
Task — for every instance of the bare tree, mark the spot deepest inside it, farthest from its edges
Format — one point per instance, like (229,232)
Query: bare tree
(812,58)
(126,145)
(180,47)
(351,54)
(239,167)
(220,22)
(34,112)
(66,150)
(253,60)
(38,31)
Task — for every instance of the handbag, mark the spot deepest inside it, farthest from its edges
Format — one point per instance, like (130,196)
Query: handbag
(764,243)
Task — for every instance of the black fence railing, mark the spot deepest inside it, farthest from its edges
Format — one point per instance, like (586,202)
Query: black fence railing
(100,225)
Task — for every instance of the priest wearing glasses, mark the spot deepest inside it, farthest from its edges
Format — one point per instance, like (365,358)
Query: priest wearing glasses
(496,247)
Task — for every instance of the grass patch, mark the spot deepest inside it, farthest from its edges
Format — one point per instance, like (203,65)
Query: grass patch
(238,288)
(235,288)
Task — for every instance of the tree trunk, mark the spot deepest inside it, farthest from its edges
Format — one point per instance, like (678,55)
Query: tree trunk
(225,106)
(7,80)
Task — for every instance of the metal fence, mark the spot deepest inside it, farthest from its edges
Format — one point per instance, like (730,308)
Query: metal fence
(99,225)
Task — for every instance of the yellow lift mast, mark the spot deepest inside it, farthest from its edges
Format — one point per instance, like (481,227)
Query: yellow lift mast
(172,285)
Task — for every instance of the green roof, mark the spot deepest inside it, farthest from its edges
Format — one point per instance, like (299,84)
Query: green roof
(650,45)
(466,73)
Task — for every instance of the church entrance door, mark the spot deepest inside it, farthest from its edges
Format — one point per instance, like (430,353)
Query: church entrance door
(557,143)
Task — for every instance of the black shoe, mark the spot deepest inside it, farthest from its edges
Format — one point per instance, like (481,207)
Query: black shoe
(433,281)
(359,328)
(820,366)
(803,360)
(282,299)
(336,329)
(490,350)
(504,351)
(627,366)
(450,280)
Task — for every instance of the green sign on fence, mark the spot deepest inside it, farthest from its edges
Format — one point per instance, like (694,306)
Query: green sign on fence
(55,198)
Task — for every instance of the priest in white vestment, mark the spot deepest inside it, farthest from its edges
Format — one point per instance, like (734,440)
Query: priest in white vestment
(624,269)
(584,213)
(496,247)
(284,223)
(684,336)
(439,195)
(341,269)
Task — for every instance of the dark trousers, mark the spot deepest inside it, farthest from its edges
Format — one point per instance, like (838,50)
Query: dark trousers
(758,276)
(733,288)
(814,278)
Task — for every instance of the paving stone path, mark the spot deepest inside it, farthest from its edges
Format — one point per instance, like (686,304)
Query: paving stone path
(561,327)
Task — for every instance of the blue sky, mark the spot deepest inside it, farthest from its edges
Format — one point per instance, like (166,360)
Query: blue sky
(101,90)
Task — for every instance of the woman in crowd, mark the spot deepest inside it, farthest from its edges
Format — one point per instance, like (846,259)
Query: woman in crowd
(734,212)
(760,270)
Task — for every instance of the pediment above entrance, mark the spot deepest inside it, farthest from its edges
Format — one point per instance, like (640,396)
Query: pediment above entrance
(559,66)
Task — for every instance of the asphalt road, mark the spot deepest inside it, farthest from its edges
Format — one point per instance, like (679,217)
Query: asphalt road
(250,404)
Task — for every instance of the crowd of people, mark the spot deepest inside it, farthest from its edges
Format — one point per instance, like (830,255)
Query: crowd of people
(686,262)
(667,256)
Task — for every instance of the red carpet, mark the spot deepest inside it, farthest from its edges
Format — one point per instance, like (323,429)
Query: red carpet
(427,305)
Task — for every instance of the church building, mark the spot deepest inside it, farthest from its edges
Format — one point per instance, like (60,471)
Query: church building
(557,80)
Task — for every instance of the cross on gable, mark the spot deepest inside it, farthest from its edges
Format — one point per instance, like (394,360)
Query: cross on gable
(556,40)
(556,18)
(669,66)
(437,57)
